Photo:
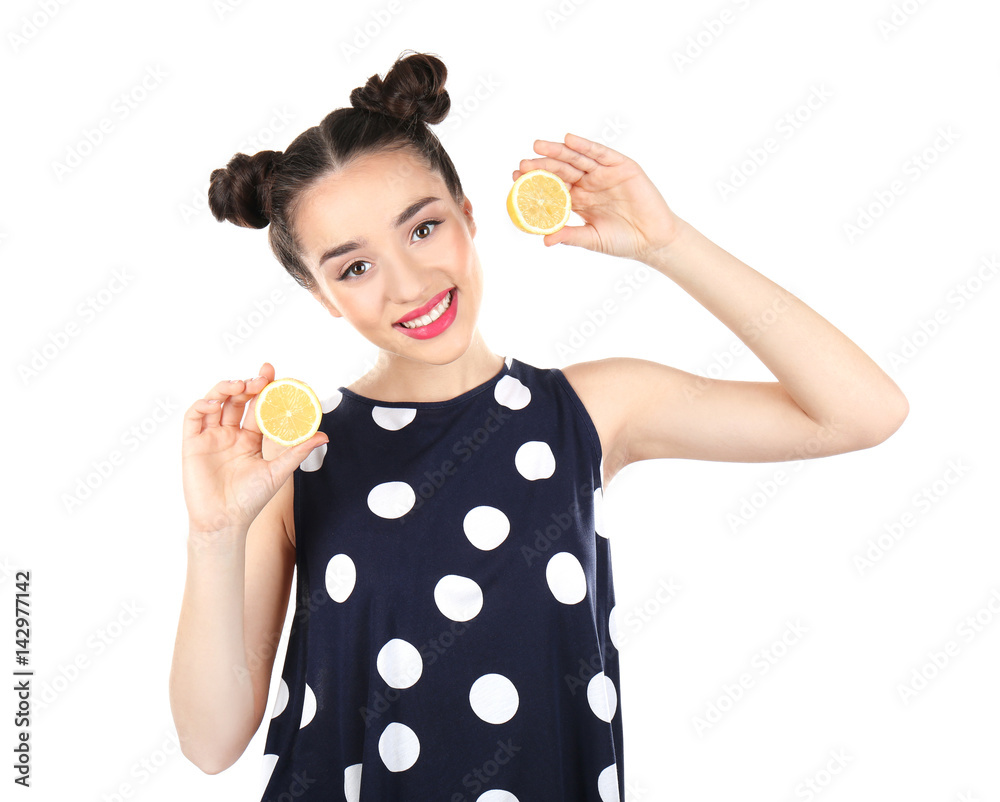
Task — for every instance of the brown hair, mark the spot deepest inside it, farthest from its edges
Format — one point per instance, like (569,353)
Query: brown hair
(385,115)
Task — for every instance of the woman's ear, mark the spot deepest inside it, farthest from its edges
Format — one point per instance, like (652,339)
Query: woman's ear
(467,209)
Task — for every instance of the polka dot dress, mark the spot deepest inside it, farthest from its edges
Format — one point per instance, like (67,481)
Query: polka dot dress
(453,635)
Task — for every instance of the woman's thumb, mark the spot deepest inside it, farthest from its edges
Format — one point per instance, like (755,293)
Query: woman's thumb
(568,235)
(291,458)
(317,440)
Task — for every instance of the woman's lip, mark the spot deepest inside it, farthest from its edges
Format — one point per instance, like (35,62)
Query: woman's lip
(426,307)
(435,328)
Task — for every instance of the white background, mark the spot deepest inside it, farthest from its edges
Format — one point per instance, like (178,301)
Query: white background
(134,205)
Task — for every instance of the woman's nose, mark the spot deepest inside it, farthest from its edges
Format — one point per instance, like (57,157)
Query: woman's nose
(407,286)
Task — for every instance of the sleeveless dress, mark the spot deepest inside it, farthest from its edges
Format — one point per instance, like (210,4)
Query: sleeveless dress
(454,633)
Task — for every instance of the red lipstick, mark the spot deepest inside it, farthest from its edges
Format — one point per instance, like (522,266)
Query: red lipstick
(435,327)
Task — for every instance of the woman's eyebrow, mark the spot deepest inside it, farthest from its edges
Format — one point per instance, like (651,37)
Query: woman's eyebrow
(401,218)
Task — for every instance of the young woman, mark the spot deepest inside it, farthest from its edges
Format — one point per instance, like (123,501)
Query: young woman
(454,633)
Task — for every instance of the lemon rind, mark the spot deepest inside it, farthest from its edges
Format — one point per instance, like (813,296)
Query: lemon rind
(312,397)
(518,218)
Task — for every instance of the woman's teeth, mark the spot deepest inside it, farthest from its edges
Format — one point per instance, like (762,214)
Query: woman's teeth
(431,316)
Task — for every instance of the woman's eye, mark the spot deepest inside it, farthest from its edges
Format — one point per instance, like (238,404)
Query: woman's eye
(348,272)
(425,224)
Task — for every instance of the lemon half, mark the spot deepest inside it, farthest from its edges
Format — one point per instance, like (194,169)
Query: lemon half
(539,202)
(288,411)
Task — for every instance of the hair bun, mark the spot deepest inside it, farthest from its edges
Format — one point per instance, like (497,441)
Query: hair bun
(240,192)
(412,89)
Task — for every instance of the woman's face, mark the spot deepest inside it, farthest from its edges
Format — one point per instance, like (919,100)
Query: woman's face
(374,267)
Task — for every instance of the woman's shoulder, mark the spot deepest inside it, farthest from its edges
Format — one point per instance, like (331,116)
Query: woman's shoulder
(590,383)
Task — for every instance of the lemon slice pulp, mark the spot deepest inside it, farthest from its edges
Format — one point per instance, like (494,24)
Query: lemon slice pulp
(539,202)
(288,411)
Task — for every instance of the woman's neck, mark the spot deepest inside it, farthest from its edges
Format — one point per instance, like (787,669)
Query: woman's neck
(398,379)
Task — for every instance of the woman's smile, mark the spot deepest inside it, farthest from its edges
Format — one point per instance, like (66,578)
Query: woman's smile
(433,322)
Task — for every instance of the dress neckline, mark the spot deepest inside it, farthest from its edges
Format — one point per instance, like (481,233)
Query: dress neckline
(458,399)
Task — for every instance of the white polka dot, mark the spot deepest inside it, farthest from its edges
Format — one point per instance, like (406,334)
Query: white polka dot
(399,663)
(497,796)
(314,459)
(308,707)
(393,418)
(391,499)
(398,747)
(602,696)
(535,460)
(613,626)
(599,513)
(341,576)
(607,784)
(282,699)
(565,577)
(332,402)
(458,597)
(493,698)
(266,770)
(352,782)
(511,393)
(486,527)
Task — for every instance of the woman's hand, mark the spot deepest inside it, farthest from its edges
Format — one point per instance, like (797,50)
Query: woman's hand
(625,214)
(226,479)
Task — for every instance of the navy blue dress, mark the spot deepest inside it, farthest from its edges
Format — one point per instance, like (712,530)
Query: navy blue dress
(454,630)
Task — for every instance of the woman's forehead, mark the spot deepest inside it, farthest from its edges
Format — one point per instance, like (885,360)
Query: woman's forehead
(383,179)
(364,198)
